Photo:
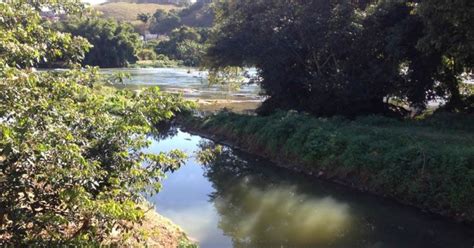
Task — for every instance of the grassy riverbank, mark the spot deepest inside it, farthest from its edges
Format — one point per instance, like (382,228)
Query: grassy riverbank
(158,231)
(426,163)
(164,63)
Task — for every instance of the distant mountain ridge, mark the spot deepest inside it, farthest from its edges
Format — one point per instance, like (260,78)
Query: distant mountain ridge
(199,14)
(176,2)
(128,11)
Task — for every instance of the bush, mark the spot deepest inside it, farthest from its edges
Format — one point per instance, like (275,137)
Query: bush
(161,61)
(147,54)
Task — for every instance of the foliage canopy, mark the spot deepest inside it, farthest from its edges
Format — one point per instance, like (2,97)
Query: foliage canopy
(114,44)
(72,169)
(185,44)
(347,57)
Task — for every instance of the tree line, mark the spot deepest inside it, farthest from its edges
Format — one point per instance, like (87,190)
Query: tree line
(115,44)
(187,32)
(118,44)
(349,57)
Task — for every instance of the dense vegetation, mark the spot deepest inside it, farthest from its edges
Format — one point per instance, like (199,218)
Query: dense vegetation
(72,169)
(349,57)
(185,44)
(183,33)
(187,32)
(114,44)
(427,163)
(197,15)
(164,22)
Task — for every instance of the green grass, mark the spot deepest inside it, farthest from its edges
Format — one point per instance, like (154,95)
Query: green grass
(428,163)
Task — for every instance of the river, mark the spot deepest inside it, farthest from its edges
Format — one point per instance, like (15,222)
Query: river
(246,201)
(192,83)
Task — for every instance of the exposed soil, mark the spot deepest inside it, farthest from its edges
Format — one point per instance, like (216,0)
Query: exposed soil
(161,231)
(156,231)
(236,106)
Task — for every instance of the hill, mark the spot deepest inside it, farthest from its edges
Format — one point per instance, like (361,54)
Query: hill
(177,2)
(123,11)
(197,15)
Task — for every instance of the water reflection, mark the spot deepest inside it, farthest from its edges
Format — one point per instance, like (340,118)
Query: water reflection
(238,200)
(163,130)
(280,216)
(256,213)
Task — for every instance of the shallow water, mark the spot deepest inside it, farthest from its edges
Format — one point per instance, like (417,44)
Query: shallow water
(189,81)
(245,201)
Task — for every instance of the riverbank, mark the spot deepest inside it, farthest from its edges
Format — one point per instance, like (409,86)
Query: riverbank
(161,232)
(155,231)
(425,163)
(209,106)
(163,63)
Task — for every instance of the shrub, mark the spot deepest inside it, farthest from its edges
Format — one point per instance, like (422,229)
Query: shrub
(147,54)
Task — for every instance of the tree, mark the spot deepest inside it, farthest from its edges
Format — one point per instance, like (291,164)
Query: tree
(301,65)
(164,22)
(336,57)
(26,44)
(199,14)
(144,17)
(185,44)
(449,33)
(114,44)
(72,168)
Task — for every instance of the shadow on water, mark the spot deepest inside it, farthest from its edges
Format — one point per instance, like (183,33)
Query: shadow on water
(240,200)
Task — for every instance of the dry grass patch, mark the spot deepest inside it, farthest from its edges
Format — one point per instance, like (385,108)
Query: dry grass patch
(129,11)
